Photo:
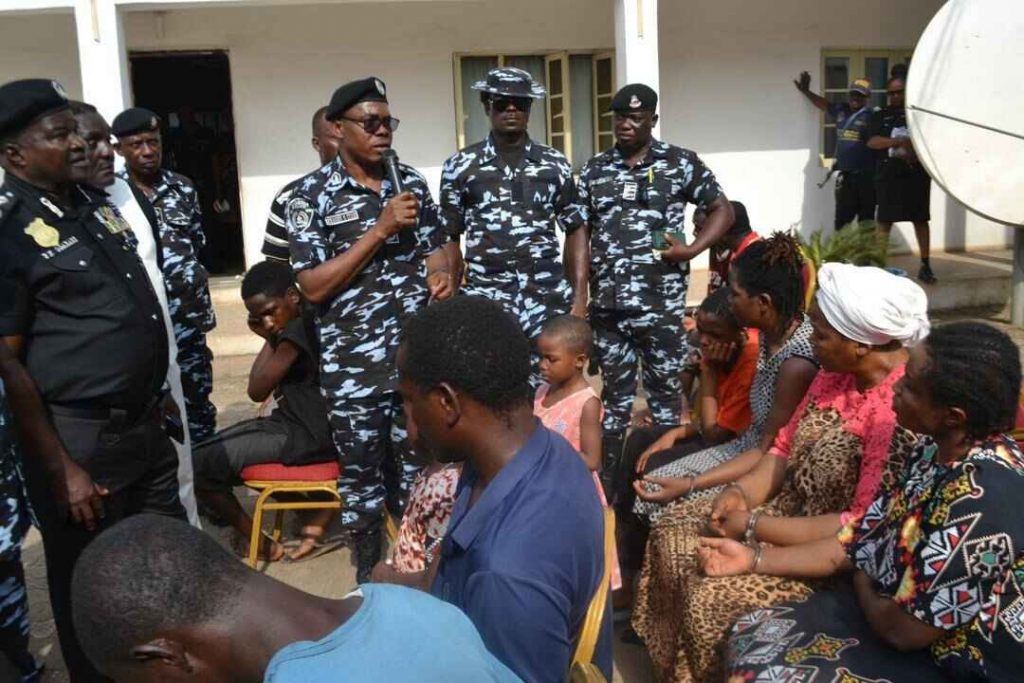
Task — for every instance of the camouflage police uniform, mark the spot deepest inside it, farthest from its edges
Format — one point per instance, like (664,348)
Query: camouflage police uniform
(638,298)
(188,295)
(359,329)
(510,217)
(14,523)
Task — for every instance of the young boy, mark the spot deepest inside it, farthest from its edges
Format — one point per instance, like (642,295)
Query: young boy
(296,432)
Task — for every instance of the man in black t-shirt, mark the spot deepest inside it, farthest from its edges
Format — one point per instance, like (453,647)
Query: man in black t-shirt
(296,432)
(902,185)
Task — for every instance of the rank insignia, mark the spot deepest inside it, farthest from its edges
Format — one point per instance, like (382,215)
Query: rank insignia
(112,220)
(46,236)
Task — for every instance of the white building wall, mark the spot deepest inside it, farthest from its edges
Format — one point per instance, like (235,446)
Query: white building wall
(285,62)
(727,68)
(40,45)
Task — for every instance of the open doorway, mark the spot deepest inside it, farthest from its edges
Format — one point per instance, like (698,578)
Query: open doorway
(191,91)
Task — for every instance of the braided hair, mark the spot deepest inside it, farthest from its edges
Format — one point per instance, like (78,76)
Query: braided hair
(974,367)
(774,266)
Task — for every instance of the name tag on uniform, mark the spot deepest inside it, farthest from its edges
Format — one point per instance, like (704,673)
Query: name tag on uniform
(341,217)
(629,191)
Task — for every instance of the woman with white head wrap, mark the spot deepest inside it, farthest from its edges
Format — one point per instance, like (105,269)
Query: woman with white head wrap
(823,469)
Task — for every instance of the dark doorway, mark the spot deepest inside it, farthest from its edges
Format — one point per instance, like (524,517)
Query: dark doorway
(191,91)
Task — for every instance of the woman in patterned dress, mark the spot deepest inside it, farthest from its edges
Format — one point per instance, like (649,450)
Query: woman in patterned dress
(937,560)
(767,293)
(824,467)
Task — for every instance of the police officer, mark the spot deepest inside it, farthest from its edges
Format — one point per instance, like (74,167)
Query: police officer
(77,308)
(15,520)
(508,194)
(854,162)
(275,240)
(369,258)
(634,195)
(181,237)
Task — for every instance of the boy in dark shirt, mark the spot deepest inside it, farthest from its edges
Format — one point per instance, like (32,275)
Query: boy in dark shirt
(296,432)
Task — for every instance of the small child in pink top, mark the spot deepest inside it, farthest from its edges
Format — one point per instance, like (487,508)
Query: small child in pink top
(566,403)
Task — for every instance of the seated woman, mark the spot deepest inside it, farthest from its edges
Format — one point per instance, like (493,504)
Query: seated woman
(936,559)
(824,468)
(296,432)
(727,363)
(766,283)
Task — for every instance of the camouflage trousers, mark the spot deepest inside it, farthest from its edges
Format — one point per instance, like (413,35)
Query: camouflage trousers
(631,342)
(531,306)
(373,447)
(196,362)
(14,625)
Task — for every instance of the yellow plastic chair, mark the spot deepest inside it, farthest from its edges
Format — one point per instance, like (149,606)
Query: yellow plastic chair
(391,527)
(582,669)
(271,479)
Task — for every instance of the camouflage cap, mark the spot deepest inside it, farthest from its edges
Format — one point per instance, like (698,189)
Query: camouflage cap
(509,81)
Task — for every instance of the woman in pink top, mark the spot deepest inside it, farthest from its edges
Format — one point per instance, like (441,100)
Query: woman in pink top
(566,403)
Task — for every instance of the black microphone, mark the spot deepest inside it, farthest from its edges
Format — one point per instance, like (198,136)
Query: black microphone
(394,174)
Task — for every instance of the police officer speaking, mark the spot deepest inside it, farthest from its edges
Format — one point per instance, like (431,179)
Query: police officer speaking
(181,239)
(77,308)
(508,194)
(634,196)
(369,258)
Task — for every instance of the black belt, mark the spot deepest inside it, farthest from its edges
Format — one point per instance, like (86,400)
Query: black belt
(89,410)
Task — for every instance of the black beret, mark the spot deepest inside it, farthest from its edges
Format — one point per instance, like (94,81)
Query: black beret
(22,102)
(369,89)
(634,97)
(134,120)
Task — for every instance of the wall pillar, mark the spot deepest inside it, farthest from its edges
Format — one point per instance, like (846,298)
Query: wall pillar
(102,56)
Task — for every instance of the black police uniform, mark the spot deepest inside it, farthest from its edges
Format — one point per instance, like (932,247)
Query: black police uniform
(95,344)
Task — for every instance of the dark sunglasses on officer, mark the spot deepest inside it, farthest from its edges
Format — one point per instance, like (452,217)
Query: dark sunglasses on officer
(501,103)
(371,124)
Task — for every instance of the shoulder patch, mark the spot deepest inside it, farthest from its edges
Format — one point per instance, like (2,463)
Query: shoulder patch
(299,213)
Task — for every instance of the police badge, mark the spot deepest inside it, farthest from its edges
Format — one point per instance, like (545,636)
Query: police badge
(634,102)
(46,236)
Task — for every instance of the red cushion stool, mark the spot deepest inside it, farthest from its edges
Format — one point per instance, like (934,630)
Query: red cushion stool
(273,478)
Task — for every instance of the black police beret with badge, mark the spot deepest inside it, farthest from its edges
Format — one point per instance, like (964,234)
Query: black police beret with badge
(369,89)
(133,121)
(634,97)
(510,82)
(25,101)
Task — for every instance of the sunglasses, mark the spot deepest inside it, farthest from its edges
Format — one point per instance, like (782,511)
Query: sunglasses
(503,103)
(371,124)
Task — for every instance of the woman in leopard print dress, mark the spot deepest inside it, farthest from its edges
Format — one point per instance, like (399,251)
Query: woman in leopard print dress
(824,468)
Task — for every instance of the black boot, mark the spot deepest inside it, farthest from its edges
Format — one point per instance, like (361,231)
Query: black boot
(612,447)
(368,552)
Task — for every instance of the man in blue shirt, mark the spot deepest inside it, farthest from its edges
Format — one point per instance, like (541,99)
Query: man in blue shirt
(854,162)
(158,600)
(523,554)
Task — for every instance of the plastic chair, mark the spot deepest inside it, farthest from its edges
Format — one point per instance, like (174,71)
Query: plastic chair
(582,669)
(271,479)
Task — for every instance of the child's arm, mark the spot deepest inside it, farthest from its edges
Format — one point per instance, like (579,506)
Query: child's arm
(270,367)
(590,433)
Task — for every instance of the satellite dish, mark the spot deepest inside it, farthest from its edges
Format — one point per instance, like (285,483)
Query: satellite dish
(964,106)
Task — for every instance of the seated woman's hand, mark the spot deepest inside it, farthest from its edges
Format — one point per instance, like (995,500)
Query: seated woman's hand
(724,557)
(664,442)
(732,524)
(668,488)
(729,500)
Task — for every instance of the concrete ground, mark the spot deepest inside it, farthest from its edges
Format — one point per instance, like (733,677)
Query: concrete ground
(978,281)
